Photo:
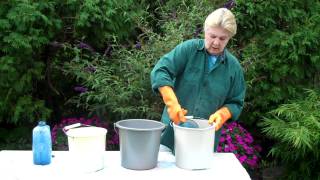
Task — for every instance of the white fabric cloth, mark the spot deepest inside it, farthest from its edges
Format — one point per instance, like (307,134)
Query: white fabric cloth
(164,148)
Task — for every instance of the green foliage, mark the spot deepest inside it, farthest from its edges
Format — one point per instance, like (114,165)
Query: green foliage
(31,35)
(24,30)
(18,138)
(296,129)
(277,42)
(97,21)
(120,85)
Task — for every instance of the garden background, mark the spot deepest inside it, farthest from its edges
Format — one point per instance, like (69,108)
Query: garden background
(89,61)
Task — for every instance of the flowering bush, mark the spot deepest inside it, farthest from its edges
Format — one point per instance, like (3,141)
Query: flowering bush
(234,138)
(59,139)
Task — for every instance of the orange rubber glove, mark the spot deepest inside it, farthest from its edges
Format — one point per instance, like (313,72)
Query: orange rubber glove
(176,113)
(220,117)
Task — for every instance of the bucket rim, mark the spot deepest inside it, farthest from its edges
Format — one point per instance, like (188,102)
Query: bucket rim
(162,125)
(193,129)
(71,132)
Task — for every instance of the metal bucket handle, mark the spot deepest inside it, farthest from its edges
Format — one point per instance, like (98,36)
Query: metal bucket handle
(198,118)
(76,125)
(194,117)
(115,128)
(188,117)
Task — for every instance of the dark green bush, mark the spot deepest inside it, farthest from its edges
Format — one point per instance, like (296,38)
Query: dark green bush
(25,28)
(96,22)
(278,44)
(31,35)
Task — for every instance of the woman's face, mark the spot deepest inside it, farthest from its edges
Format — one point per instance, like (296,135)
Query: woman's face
(216,39)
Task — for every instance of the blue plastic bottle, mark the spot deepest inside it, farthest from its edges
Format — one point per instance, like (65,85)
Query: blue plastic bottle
(41,144)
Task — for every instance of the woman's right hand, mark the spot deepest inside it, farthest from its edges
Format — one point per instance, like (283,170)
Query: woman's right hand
(176,113)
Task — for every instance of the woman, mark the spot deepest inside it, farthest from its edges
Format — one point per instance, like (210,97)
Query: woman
(200,77)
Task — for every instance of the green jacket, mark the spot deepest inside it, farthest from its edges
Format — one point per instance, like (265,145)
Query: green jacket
(199,90)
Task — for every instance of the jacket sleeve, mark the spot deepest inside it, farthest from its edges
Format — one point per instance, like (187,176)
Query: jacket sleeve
(236,95)
(168,67)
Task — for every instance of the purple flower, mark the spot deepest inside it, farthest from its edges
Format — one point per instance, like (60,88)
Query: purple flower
(90,69)
(245,146)
(249,150)
(232,147)
(238,137)
(229,138)
(242,158)
(230,4)
(114,139)
(138,45)
(251,162)
(219,149)
(258,148)
(87,122)
(81,89)
(234,138)
(232,125)
(255,157)
(221,139)
(83,45)
(248,139)
(242,129)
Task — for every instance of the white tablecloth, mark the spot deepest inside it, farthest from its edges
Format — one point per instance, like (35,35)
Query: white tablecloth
(18,165)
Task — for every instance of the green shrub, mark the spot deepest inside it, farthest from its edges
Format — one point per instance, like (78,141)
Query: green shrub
(277,42)
(31,35)
(25,28)
(15,138)
(120,84)
(296,129)
(96,22)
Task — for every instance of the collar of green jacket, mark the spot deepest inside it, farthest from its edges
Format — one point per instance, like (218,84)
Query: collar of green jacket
(221,58)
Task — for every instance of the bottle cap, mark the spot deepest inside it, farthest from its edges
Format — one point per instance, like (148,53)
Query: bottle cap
(42,123)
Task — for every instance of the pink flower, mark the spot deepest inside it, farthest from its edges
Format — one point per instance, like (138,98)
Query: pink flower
(219,149)
(252,162)
(234,138)
(221,139)
(226,149)
(258,148)
(249,150)
(229,138)
(242,158)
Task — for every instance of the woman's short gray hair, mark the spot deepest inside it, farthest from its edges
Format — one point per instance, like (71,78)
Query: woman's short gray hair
(222,17)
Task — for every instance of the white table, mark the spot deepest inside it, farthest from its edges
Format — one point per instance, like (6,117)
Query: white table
(18,165)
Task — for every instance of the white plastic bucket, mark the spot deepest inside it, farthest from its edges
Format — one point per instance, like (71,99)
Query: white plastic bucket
(86,147)
(194,147)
